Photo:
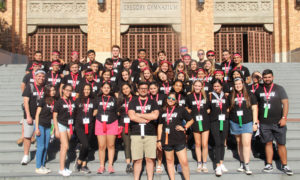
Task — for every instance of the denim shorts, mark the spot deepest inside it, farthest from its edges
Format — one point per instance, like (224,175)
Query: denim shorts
(63,128)
(235,128)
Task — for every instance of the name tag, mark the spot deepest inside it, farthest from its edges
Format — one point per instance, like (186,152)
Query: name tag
(205,88)
(199,118)
(70,121)
(86,121)
(113,78)
(222,117)
(168,130)
(126,119)
(73,94)
(95,88)
(240,113)
(159,102)
(104,118)
(226,78)
(267,105)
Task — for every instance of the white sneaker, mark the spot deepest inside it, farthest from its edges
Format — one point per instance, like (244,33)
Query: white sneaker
(64,172)
(41,171)
(69,171)
(224,169)
(204,167)
(25,160)
(199,166)
(241,168)
(179,170)
(47,169)
(219,171)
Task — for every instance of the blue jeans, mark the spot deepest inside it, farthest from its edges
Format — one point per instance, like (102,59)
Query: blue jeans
(42,146)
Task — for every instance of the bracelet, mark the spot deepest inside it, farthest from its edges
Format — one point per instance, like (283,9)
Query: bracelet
(158,141)
(283,117)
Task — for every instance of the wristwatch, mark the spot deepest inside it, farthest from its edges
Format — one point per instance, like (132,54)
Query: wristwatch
(158,141)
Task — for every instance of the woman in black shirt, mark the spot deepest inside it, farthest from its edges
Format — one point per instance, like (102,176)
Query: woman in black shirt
(164,84)
(219,106)
(43,119)
(84,125)
(198,106)
(178,88)
(63,119)
(243,121)
(171,135)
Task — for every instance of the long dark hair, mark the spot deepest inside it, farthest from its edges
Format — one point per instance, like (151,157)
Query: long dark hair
(81,93)
(129,79)
(182,90)
(111,90)
(245,94)
(122,96)
(48,98)
(240,72)
(166,105)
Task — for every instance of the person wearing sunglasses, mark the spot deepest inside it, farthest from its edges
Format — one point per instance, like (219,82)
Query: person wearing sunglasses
(201,56)
(171,135)
(211,56)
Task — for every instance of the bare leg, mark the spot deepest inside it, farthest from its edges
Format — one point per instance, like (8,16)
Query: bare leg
(182,157)
(197,137)
(269,152)
(102,148)
(246,143)
(205,136)
(170,164)
(150,168)
(111,148)
(137,168)
(282,153)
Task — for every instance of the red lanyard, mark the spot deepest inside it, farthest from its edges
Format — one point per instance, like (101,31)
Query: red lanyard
(179,97)
(112,72)
(268,94)
(169,115)
(69,106)
(105,105)
(126,105)
(52,106)
(116,64)
(240,99)
(54,81)
(143,107)
(95,78)
(166,90)
(198,102)
(219,99)
(227,67)
(255,88)
(237,67)
(157,96)
(74,80)
(38,91)
(86,106)
(90,83)
(206,79)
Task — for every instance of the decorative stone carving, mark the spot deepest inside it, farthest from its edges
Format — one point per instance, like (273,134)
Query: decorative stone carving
(124,28)
(31,29)
(217,27)
(176,27)
(269,27)
(84,28)
(243,11)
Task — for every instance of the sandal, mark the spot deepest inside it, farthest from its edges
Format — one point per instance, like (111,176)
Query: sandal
(101,170)
(159,170)
(111,169)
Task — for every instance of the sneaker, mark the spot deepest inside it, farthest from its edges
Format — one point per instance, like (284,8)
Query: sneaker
(247,169)
(158,170)
(101,170)
(224,169)
(25,160)
(219,171)
(199,166)
(20,141)
(64,172)
(268,168)
(131,168)
(287,170)
(77,166)
(41,171)
(111,169)
(46,169)
(128,168)
(66,169)
(179,170)
(85,170)
(241,168)
(204,167)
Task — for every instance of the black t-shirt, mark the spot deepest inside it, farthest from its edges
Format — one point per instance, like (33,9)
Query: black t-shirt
(67,67)
(63,111)
(165,87)
(247,112)
(243,69)
(29,66)
(151,127)
(111,108)
(88,66)
(46,113)
(275,110)
(227,67)
(53,79)
(84,108)
(117,67)
(28,78)
(252,88)
(95,86)
(175,137)
(136,68)
(33,95)
(215,108)
(122,111)
(49,68)
(69,80)
(181,100)
(159,98)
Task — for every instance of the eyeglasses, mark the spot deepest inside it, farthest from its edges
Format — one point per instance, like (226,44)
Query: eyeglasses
(210,55)
(200,54)
(171,98)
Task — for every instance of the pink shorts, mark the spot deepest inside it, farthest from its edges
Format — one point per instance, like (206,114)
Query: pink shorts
(111,129)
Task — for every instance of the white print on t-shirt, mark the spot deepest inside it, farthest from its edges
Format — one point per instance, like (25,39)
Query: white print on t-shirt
(138,108)
(113,78)
(95,88)
(37,94)
(263,94)
(31,80)
(215,101)
(90,106)
(202,102)
(163,88)
(109,104)
(174,115)
(57,80)
(71,82)
(236,99)
(67,106)
(181,102)
(159,102)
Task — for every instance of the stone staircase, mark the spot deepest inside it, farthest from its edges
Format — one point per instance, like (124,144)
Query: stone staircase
(11,154)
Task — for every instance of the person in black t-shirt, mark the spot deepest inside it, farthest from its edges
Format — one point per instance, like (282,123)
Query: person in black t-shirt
(256,79)
(201,56)
(161,56)
(125,77)
(227,64)
(243,121)
(193,70)
(91,55)
(273,106)
(125,97)
(142,113)
(178,88)
(219,105)
(32,93)
(117,61)
(29,78)
(171,135)
(37,58)
(106,127)
(141,57)
(198,105)
(74,58)
(89,79)
(63,120)
(164,85)
(43,119)
(211,56)
(54,77)
(84,125)
(219,74)
(237,58)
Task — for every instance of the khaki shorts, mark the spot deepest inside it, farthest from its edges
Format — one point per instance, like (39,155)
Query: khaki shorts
(143,146)
(28,128)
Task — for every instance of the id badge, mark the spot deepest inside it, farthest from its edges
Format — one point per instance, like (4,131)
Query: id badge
(226,78)
(205,88)
(159,102)
(73,94)
(199,118)
(113,78)
(86,121)
(95,88)
(222,117)
(168,130)
(70,121)
(104,118)
(240,113)
(126,119)
(267,105)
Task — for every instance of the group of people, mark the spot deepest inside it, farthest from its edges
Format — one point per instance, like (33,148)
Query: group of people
(155,106)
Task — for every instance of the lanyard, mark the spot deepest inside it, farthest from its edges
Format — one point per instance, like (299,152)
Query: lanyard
(227,67)
(54,81)
(52,106)
(179,97)
(157,96)
(255,88)
(166,90)
(95,78)
(126,105)
(198,102)
(206,78)
(69,106)
(104,105)
(143,107)
(268,94)
(219,99)
(240,99)
(40,93)
(169,115)
(237,67)
(90,83)
(86,106)
(74,80)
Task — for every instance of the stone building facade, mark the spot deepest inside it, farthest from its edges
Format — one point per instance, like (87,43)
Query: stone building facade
(261,30)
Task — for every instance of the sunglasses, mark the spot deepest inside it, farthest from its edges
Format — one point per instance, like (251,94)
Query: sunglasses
(171,98)
(210,55)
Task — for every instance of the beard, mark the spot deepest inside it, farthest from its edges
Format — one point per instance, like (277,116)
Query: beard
(268,83)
